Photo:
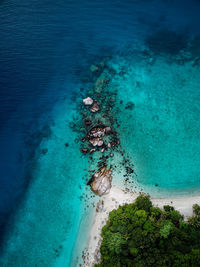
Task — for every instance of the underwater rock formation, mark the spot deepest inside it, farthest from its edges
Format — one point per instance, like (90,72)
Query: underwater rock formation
(99,131)
(96,141)
(101,182)
(95,108)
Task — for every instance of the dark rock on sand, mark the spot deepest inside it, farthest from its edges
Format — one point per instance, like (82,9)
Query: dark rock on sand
(100,206)
(94,68)
(92,150)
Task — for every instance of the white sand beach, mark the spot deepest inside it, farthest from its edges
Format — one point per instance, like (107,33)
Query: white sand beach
(118,197)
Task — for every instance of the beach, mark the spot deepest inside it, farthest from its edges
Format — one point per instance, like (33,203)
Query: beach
(117,197)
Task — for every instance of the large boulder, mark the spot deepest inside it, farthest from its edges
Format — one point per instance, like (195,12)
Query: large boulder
(88,101)
(101,182)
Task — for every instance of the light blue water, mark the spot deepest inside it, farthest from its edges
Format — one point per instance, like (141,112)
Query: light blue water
(161,133)
(46,50)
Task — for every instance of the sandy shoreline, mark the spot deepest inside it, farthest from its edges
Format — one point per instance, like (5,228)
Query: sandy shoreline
(118,197)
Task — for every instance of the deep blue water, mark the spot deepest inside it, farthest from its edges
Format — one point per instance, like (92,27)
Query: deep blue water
(44,44)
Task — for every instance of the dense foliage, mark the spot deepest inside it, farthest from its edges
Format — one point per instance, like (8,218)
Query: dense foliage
(140,234)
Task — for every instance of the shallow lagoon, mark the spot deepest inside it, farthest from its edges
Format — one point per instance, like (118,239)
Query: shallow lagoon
(161,133)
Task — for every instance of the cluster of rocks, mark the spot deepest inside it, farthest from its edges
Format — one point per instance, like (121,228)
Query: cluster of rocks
(97,129)
(101,181)
(94,139)
(88,101)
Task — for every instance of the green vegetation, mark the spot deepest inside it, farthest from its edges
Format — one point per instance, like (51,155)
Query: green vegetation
(141,235)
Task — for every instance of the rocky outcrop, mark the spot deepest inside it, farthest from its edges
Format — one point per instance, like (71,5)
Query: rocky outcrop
(95,135)
(94,108)
(101,182)
(96,141)
(88,101)
(97,128)
(94,68)
(99,131)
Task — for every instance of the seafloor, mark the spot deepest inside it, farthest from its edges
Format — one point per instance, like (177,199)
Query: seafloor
(153,105)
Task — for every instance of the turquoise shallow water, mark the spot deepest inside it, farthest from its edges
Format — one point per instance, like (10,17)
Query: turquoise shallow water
(161,132)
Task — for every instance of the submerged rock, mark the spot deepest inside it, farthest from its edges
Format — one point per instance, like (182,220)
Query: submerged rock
(97,132)
(107,129)
(92,150)
(87,122)
(101,182)
(94,68)
(94,108)
(88,101)
(101,82)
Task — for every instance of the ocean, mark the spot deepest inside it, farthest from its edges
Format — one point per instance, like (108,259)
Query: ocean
(152,50)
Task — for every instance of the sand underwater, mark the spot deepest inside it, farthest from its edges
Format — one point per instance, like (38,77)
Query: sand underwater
(153,99)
